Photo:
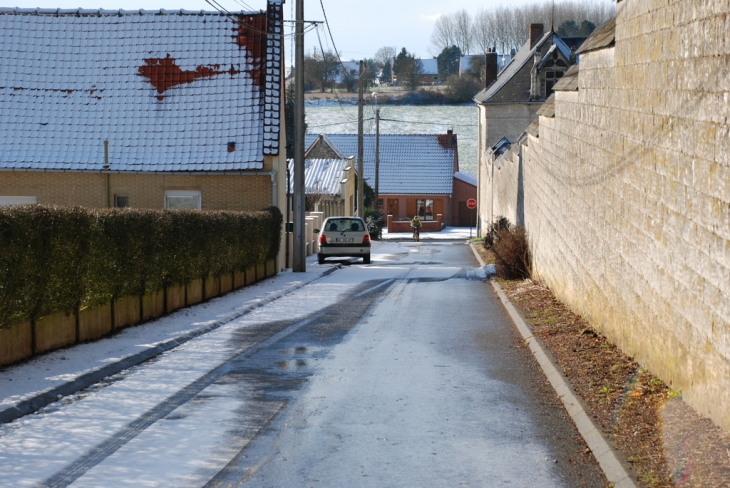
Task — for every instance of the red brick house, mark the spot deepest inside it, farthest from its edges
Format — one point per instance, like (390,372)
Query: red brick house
(419,173)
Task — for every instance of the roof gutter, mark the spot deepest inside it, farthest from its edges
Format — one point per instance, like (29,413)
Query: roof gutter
(106,171)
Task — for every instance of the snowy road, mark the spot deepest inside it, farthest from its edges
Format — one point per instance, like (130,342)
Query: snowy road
(406,372)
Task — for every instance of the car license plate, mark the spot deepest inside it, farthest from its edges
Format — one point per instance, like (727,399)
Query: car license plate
(344,239)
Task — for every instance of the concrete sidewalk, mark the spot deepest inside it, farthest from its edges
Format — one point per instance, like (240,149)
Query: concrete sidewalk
(31,385)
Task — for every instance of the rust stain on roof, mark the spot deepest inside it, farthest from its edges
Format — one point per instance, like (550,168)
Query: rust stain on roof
(163,73)
(250,33)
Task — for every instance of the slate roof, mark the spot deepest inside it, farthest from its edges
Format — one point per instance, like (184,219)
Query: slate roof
(569,81)
(513,82)
(604,36)
(321,176)
(409,163)
(502,146)
(169,90)
(548,108)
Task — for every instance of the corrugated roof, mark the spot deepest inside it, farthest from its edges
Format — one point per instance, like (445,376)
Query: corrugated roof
(569,81)
(604,36)
(169,90)
(548,108)
(409,163)
(321,176)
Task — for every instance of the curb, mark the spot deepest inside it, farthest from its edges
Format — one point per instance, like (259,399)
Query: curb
(611,461)
(47,397)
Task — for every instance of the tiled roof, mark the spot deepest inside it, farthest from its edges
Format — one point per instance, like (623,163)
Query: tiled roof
(409,163)
(321,176)
(169,90)
(466,178)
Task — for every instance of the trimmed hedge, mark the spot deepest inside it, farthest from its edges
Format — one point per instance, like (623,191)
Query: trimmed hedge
(55,259)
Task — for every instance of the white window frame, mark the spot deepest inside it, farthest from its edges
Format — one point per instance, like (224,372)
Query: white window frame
(5,201)
(181,194)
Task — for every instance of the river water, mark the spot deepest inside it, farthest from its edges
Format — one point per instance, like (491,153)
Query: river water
(341,118)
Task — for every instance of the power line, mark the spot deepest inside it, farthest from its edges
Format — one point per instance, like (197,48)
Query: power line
(427,123)
(338,123)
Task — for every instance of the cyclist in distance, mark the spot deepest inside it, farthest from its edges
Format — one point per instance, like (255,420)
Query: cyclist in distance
(416,226)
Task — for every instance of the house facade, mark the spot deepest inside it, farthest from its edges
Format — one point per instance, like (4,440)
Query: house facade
(143,109)
(416,172)
(329,185)
(514,94)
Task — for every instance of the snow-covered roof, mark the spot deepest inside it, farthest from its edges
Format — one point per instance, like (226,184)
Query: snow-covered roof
(466,178)
(321,176)
(409,163)
(430,66)
(169,90)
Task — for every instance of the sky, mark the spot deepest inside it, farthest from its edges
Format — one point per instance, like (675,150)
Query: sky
(359,28)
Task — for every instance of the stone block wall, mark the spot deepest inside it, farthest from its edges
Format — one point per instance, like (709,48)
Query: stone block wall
(627,194)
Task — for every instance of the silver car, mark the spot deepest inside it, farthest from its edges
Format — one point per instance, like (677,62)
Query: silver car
(344,236)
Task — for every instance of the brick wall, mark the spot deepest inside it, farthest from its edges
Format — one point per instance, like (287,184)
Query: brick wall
(627,194)
(463,191)
(231,192)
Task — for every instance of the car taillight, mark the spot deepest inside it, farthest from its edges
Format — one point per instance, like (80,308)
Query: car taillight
(366,239)
(322,239)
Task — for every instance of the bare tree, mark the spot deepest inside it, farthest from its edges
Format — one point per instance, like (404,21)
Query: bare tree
(463,32)
(385,55)
(484,30)
(506,27)
(444,34)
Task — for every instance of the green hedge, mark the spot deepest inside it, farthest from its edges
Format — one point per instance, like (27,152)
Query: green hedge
(58,258)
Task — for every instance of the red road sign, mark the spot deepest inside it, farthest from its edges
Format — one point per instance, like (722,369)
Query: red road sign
(471,203)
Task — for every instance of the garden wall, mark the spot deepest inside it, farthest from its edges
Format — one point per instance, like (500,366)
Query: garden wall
(627,194)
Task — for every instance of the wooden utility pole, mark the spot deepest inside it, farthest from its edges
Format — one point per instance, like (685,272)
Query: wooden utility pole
(377,158)
(299,263)
(360,164)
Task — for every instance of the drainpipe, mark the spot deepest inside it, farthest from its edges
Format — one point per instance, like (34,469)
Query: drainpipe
(106,166)
(274,190)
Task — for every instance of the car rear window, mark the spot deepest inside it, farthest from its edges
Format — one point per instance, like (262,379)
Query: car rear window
(341,225)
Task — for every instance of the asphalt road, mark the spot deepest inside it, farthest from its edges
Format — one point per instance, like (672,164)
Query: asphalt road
(428,385)
(407,372)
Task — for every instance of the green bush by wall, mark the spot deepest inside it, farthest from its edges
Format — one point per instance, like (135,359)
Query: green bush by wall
(55,259)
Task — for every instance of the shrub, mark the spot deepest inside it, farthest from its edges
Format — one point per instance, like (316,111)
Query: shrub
(56,259)
(512,253)
(492,235)
(375,220)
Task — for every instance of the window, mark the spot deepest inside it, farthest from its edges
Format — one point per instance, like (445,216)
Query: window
(121,201)
(5,201)
(183,200)
(424,209)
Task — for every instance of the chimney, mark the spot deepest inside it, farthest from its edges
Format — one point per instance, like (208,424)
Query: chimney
(491,68)
(536,32)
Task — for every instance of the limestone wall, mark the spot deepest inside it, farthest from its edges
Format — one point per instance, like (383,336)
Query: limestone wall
(627,194)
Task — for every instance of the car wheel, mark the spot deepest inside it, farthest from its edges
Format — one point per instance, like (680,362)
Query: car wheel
(320,259)
(366,259)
